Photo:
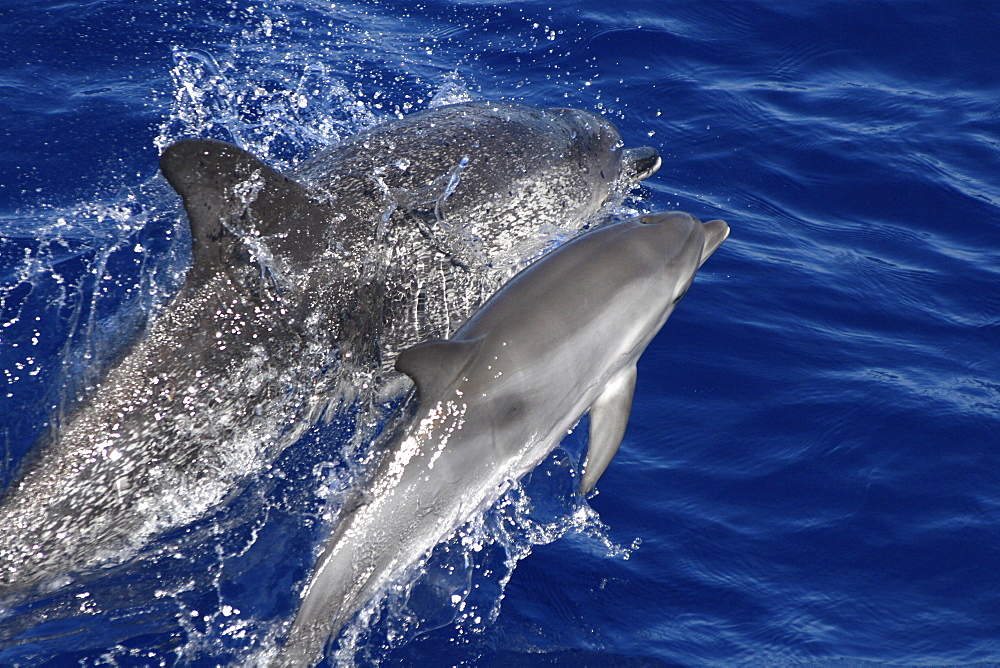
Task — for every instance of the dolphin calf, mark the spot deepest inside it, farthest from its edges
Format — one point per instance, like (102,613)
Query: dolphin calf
(302,289)
(560,339)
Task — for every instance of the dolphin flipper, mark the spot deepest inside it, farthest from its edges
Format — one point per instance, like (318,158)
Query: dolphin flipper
(608,419)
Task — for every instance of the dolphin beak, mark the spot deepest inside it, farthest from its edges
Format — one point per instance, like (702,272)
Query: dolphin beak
(716,231)
(642,162)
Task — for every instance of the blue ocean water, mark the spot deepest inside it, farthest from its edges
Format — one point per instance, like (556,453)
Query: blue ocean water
(810,474)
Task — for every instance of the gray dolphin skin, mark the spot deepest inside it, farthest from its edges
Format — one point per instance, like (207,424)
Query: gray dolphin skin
(560,339)
(302,290)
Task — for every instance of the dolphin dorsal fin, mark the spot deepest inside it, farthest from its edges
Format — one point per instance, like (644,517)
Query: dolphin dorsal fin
(229,192)
(608,419)
(716,232)
(436,364)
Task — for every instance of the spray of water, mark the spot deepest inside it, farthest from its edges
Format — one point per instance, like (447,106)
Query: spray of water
(103,270)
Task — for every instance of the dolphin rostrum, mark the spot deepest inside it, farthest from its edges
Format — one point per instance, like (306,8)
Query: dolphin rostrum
(302,289)
(560,339)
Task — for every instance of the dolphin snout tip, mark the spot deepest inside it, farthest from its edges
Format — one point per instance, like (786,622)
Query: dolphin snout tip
(641,162)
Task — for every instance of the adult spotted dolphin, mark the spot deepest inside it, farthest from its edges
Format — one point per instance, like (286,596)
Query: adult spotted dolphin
(302,287)
(560,339)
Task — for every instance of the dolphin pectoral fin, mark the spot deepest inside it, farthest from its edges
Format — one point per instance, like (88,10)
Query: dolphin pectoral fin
(716,232)
(229,193)
(642,162)
(608,419)
(434,365)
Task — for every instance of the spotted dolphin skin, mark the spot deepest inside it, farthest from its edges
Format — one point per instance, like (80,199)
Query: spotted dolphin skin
(303,288)
(560,339)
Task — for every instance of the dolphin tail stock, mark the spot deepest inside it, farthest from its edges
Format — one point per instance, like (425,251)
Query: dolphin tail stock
(330,595)
(231,198)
